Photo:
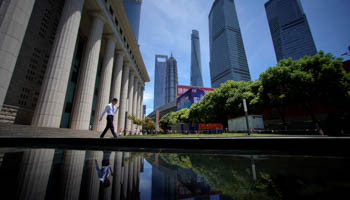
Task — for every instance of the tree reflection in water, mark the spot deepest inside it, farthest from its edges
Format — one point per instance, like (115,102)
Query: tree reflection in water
(259,177)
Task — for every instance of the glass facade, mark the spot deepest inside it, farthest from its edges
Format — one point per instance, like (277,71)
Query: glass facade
(228,60)
(165,80)
(290,31)
(160,81)
(196,66)
(133,10)
(171,79)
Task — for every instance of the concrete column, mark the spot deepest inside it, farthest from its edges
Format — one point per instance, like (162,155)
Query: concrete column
(141,104)
(134,104)
(117,175)
(126,175)
(116,83)
(84,92)
(71,174)
(123,97)
(135,161)
(48,111)
(131,174)
(142,92)
(130,99)
(14,18)
(139,168)
(138,113)
(107,192)
(93,181)
(105,83)
(34,174)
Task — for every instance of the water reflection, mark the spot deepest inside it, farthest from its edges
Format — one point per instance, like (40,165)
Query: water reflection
(76,174)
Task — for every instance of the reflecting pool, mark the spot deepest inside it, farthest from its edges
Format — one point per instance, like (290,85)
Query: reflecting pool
(79,174)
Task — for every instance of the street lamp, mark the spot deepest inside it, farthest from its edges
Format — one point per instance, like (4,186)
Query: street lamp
(246,115)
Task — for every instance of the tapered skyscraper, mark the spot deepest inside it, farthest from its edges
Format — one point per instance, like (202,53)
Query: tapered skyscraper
(196,66)
(228,60)
(160,81)
(290,31)
(171,79)
(165,80)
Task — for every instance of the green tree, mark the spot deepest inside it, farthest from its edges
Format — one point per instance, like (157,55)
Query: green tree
(181,116)
(276,86)
(135,120)
(148,124)
(319,78)
(226,102)
(166,121)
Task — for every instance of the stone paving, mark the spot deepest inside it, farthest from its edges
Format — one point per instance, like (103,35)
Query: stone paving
(18,131)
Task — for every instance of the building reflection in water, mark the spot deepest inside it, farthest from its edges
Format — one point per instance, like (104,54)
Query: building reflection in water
(67,174)
(47,174)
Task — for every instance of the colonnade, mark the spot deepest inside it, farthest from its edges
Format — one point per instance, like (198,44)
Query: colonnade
(76,176)
(120,78)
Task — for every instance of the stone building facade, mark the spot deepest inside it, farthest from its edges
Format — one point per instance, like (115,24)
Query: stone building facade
(62,62)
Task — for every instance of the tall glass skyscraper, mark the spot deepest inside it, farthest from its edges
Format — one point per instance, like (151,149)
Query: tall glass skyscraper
(290,31)
(166,80)
(160,81)
(228,60)
(196,66)
(171,79)
(133,10)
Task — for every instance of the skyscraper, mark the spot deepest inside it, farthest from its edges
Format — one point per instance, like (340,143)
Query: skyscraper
(171,79)
(160,81)
(196,66)
(290,31)
(133,10)
(228,60)
(165,80)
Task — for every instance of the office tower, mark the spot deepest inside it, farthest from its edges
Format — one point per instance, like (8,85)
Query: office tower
(165,80)
(133,10)
(196,66)
(160,81)
(171,79)
(290,31)
(60,69)
(228,60)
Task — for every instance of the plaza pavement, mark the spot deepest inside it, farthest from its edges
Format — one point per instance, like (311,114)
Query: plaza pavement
(28,136)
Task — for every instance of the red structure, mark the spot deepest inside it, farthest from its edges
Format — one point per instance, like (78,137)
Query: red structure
(346,66)
(181,89)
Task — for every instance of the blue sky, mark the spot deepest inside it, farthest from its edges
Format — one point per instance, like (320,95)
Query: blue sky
(166,27)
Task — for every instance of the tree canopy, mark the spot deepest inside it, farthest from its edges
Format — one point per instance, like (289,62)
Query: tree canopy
(319,78)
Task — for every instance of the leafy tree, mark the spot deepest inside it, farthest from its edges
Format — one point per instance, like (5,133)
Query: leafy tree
(148,124)
(226,102)
(135,120)
(181,116)
(167,120)
(319,78)
(275,87)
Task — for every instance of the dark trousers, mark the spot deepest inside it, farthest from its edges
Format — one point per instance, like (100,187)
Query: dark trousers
(109,126)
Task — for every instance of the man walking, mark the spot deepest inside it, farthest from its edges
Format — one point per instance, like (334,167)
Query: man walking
(110,109)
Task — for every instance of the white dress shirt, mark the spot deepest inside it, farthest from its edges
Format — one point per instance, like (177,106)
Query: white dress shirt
(104,172)
(110,109)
